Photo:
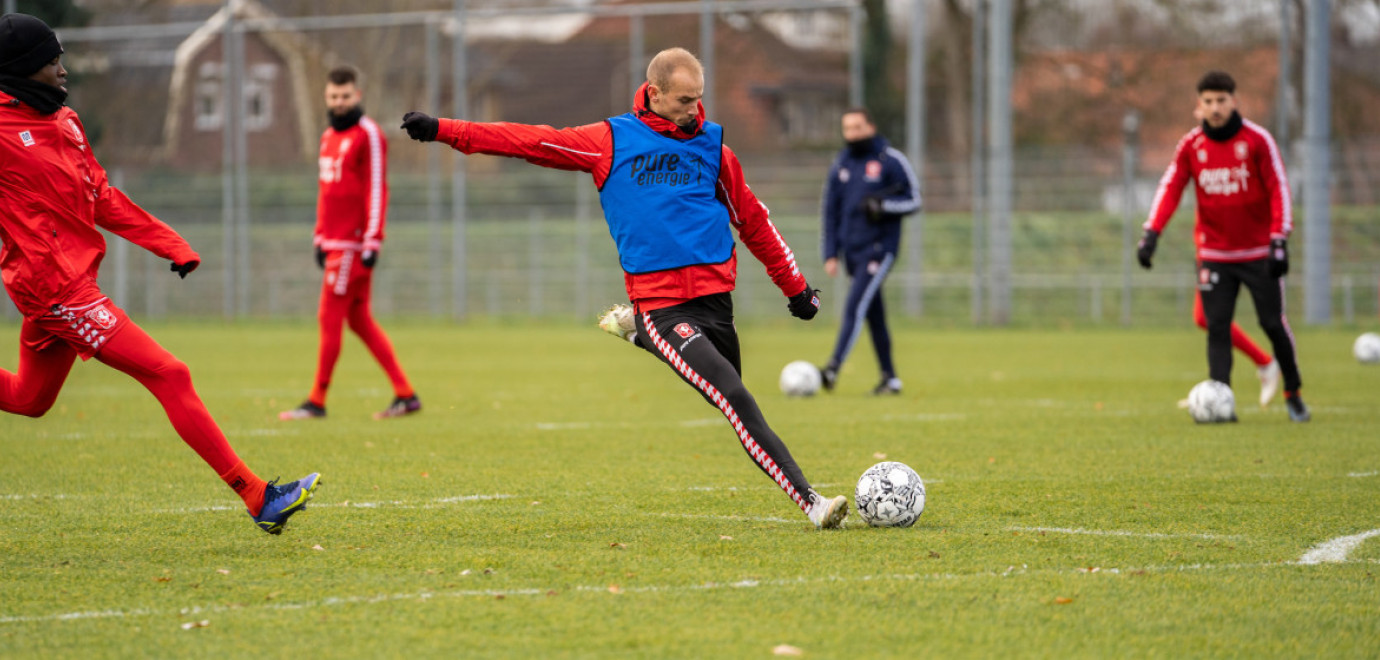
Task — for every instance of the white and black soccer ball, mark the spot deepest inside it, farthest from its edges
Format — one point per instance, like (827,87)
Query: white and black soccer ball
(890,494)
(1367,348)
(800,378)
(1211,401)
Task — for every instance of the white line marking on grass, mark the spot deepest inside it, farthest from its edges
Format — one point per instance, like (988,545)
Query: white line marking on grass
(1117,532)
(563,426)
(393,504)
(1011,572)
(1372,473)
(705,516)
(1337,549)
(925,417)
(35,496)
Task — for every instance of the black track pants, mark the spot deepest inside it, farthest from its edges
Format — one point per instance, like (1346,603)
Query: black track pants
(1219,284)
(698,340)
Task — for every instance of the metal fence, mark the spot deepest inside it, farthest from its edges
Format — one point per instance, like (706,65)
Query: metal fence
(486,236)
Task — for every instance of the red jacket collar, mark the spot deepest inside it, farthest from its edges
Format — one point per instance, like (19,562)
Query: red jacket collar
(661,124)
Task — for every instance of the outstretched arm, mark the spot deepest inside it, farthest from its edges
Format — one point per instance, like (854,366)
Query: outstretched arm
(587,148)
(753,222)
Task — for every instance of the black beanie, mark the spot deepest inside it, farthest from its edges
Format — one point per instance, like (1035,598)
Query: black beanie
(26,45)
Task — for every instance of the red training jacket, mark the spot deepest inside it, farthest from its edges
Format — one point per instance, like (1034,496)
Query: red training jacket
(353,196)
(589,148)
(1243,197)
(53,195)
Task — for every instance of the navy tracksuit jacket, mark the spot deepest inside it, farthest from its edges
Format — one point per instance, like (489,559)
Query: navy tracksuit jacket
(868,246)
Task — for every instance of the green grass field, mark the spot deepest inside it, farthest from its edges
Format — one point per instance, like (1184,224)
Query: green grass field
(563,495)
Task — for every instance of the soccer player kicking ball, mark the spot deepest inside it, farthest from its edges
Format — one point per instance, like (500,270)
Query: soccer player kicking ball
(349,232)
(1244,219)
(671,190)
(53,195)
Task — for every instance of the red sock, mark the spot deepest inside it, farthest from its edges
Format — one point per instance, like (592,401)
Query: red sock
(133,352)
(1289,394)
(247,485)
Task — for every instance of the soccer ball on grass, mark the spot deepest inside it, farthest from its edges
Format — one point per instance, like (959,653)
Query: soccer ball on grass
(1212,401)
(800,378)
(890,494)
(1367,348)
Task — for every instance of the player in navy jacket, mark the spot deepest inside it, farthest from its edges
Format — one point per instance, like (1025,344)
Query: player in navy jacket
(870,188)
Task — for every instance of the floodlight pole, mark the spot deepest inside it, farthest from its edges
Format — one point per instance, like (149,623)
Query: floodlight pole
(1000,171)
(707,55)
(433,170)
(978,167)
(460,102)
(1317,134)
(915,141)
(1130,131)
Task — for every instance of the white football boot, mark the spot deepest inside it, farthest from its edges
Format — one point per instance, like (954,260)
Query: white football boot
(827,513)
(1269,381)
(618,321)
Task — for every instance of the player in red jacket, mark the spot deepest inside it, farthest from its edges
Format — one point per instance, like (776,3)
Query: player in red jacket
(671,190)
(1243,221)
(350,211)
(53,196)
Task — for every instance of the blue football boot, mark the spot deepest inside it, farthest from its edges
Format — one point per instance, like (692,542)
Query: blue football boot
(280,502)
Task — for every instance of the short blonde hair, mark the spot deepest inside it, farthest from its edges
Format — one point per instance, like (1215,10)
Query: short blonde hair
(666,63)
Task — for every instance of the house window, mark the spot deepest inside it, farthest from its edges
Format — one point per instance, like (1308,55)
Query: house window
(258,96)
(207,97)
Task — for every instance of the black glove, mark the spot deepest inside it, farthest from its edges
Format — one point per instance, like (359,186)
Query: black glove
(1278,261)
(320,258)
(183,269)
(421,126)
(369,258)
(804,305)
(872,208)
(1145,249)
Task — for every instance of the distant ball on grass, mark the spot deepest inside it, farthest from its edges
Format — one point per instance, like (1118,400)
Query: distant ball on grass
(1367,348)
(1211,401)
(800,378)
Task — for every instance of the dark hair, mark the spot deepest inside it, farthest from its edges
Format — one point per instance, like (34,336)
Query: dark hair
(859,110)
(343,75)
(1217,81)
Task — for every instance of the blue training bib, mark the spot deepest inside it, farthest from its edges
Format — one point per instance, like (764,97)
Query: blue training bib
(659,198)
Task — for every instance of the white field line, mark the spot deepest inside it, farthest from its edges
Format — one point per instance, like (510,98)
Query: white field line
(35,496)
(1117,532)
(1336,550)
(925,417)
(614,591)
(583,426)
(393,504)
(705,516)
(1372,473)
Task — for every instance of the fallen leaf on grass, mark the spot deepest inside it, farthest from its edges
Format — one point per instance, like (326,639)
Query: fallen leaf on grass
(195,624)
(317,547)
(223,571)
(934,555)
(1060,600)
(878,455)
(162,578)
(724,537)
(499,596)
(488,571)
(465,572)
(786,649)
(615,589)
(618,545)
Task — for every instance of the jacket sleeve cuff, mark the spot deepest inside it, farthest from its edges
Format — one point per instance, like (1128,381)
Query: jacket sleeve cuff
(372,246)
(449,130)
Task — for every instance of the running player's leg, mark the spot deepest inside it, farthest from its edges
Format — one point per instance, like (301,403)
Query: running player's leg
(677,336)
(1268,294)
(362,323)
(34,386)
(854,314)
(1239,339)
(134,352)
(335,306)
(876,320)
(1218,286)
